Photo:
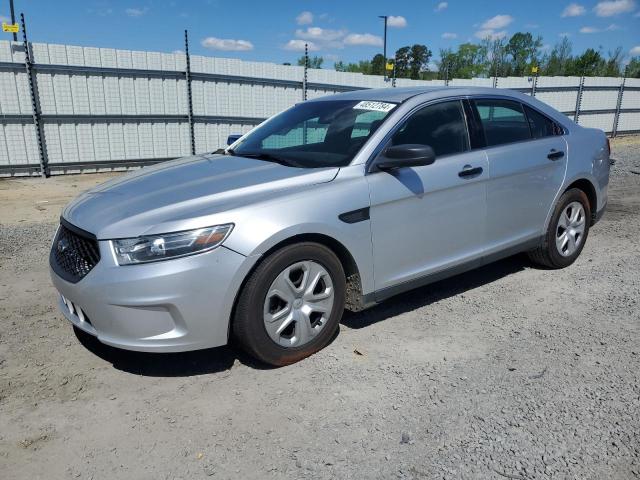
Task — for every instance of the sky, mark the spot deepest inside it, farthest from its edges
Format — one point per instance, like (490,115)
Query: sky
(347,30)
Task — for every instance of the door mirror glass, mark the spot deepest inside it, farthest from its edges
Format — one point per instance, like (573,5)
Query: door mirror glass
(406,155)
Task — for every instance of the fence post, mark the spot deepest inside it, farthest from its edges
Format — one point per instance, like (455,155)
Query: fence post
(616,118)
(576,114)
(304,77)
(35,104)
(189,93)
(446,75)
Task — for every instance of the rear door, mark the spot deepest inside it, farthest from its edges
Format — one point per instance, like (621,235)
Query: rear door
(527,157)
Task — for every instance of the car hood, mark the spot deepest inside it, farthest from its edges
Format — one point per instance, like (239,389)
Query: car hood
(184,194)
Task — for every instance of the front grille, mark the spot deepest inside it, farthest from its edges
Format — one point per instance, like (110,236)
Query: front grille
(73,253)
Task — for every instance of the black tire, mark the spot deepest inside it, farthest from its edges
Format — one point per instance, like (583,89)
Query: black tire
(547,253)
(248,327)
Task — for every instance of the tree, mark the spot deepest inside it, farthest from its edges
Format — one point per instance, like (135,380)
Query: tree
(590,63)
(613,66)
(498,57)
(558,62)
(402,59)
(633,68)
(467,62)
(524,50)
(314,62)
(420,56)
(412,61)
(496,64)
(377,65)
(363,66)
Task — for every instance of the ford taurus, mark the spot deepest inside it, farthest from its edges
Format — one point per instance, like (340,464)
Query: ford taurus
(338,202)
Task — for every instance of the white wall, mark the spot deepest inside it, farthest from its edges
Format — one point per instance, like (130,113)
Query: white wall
(113,139)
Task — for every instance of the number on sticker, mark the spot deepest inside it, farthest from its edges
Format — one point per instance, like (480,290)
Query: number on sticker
(376,106)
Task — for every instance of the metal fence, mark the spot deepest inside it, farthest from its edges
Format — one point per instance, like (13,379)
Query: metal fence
(65,109)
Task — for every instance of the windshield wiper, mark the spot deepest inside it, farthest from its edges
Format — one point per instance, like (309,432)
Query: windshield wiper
(267,157)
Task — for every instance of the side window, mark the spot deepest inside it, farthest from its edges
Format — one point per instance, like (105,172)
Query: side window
(441,126)
(366,123)
(503,121)
(308,131)
(540,125)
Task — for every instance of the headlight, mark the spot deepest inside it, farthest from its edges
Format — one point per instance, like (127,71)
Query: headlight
(153,248)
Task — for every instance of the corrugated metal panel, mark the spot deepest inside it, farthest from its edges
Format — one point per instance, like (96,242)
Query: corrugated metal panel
(245,92)
(603,121)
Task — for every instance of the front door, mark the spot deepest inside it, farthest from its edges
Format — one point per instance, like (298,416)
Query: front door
(426,219)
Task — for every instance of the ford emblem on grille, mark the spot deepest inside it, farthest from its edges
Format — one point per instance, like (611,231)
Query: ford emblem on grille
(63,245)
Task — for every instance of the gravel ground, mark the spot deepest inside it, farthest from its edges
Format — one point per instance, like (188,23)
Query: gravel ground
(507,372)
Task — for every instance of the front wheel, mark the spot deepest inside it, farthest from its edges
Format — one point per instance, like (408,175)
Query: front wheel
(291,305)
(567,232)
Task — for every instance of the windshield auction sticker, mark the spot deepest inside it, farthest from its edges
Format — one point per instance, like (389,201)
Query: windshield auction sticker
(376,106)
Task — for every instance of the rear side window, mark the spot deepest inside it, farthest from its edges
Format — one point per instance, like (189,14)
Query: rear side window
(441,126)
(540,125)
(503,121)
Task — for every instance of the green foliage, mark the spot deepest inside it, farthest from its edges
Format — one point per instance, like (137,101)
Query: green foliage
(377,64)
(363,66)
(633,68)
(499,57)
(418,59)
(467,62)
(559,61)
(523,51)
(403,60)
(411,62)
(314,62)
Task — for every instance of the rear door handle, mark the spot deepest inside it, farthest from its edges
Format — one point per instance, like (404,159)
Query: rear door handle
(467,171)
(555,154)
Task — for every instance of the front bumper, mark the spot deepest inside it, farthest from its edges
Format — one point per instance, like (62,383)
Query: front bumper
(168,306)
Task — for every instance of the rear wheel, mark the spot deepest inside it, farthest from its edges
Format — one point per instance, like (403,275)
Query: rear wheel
(567,232)
(291,305)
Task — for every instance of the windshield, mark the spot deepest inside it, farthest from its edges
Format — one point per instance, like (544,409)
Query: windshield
(315,134)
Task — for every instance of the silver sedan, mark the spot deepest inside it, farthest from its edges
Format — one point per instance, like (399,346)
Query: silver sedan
(338,202)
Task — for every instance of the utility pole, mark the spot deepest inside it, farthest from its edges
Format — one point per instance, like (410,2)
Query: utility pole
(385,17)
(13,20)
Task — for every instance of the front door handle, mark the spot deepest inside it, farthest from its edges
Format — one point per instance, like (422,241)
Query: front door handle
(468,171)
(555,154)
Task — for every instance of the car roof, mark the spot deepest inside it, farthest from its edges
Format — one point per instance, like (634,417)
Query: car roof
(399,95)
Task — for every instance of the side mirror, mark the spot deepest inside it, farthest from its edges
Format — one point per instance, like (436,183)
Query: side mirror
(232,138)
(407,155)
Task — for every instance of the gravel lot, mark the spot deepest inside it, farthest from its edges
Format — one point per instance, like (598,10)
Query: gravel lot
(507,372)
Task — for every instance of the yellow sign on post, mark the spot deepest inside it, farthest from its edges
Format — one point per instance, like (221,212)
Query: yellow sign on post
(10,28)
(534,69)
(389,66)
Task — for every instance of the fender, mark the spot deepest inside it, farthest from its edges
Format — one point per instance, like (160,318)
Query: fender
(268,224)
(568,181)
